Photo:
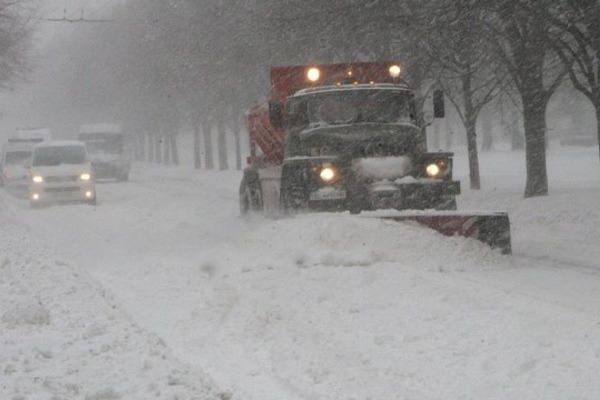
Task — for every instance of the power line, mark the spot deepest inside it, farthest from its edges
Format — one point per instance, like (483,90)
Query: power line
(82,19)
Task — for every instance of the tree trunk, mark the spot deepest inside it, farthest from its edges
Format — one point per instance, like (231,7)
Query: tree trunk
(238,146)
(197,156)
(222,146)
(142,146)
(471,128)
(487,133)
(517,141)
(474,177)
(174,150)
(151,152)
(534,117)
(167,150)
(208,147)
(598,119)
(158,155)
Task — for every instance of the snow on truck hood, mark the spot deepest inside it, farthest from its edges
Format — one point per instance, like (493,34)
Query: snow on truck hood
(382,167)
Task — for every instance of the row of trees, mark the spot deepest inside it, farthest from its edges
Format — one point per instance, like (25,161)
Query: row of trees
(16,26)
(163,66)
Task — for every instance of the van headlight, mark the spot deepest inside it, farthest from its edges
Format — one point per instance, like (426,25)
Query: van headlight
(85,177)
(37,179)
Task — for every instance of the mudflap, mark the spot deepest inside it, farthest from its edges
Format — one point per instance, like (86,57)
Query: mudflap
(492,229)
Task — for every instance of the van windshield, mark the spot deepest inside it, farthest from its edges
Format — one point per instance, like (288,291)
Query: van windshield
(57,155)
(99,143)
(17,158)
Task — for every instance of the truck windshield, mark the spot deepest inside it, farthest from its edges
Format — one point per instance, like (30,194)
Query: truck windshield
(341,107)
(98,143)
(57,155)
(18,158)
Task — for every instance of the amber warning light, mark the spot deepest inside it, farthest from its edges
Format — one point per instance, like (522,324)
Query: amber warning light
(287,80)
(313,74)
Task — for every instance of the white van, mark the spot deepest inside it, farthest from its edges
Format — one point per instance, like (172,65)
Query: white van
(14,166)
(15,158)
(107,150)
(61,172)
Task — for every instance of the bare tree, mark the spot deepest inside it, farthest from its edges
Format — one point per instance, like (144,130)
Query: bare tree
(520,31)
(576,40)
(15,38)
(468,71)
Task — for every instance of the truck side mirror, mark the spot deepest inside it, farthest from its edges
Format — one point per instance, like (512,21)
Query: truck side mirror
(275,114)
(439,110)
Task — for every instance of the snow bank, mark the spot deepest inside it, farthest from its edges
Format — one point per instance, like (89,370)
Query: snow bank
(63,337)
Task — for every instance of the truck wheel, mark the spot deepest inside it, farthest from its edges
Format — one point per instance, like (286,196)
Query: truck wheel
(354,209)
(293,200)
(250,198)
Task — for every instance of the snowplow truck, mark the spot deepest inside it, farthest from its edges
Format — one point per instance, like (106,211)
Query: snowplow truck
(346,137)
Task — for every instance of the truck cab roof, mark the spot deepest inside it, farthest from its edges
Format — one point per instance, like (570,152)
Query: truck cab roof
(351,87)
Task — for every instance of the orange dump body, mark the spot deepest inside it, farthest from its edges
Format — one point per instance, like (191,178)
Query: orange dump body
(287,80)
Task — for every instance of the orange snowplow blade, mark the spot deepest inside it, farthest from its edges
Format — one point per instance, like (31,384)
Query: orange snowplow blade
(492,229)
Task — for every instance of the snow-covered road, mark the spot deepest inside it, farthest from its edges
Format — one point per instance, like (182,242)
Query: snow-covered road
(333,306)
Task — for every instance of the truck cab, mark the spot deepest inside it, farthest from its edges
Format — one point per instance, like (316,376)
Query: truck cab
(351,139)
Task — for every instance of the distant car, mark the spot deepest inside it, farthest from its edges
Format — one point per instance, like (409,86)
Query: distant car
(14,166)
(106,147)
(61,172)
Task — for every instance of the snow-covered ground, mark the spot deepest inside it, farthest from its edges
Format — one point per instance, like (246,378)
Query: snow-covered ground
(163,291)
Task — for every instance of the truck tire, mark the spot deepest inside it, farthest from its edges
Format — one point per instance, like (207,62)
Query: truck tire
(251,200)
(293,199)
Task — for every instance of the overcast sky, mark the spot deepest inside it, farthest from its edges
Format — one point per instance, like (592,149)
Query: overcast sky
(14,105)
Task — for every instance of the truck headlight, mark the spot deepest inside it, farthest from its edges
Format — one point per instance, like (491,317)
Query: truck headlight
(327,174)
(433,170)
(85,177)
(38,179)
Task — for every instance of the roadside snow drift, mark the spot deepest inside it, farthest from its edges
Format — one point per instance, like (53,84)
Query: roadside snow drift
(62,336)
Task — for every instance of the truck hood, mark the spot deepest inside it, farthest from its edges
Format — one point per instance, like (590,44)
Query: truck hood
(360,140)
